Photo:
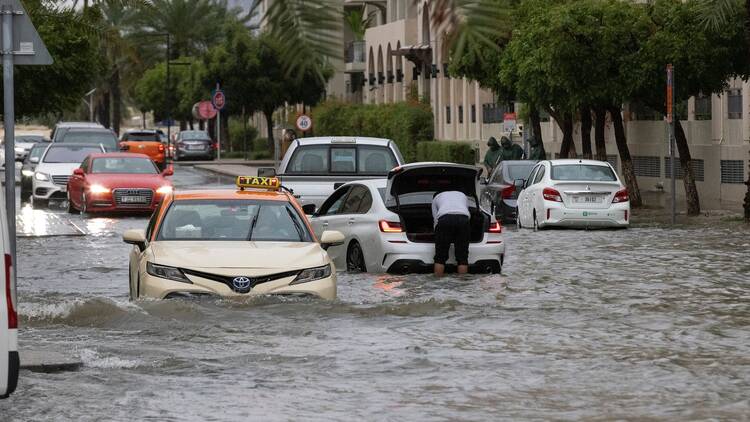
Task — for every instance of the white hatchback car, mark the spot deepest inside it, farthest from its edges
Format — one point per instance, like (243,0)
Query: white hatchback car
(388,223)
(573,193)
(9,362)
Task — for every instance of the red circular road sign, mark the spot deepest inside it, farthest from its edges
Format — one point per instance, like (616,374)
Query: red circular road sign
(218,99)
(206,110)
(304,122)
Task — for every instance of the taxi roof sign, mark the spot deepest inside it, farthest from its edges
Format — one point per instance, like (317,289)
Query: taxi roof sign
(254,182)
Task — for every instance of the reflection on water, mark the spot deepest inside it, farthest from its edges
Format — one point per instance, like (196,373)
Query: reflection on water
(645,323)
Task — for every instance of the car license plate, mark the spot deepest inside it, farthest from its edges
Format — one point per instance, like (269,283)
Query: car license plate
(196,147)
(588,199)
(134,199)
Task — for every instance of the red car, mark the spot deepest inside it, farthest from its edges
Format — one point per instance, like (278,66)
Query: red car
(108,182)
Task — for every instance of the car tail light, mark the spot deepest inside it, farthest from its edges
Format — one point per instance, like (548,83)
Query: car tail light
(621,196)
(551,195)
(215,145)
(12,315)
(161,147)
(495,227)
(390,227)
(508,192)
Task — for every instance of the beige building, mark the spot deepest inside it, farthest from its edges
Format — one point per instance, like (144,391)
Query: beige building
(402,55)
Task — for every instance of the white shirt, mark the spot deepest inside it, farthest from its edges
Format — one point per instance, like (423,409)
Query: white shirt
(450,202)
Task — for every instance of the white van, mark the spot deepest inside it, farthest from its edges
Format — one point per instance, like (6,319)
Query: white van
(9,361)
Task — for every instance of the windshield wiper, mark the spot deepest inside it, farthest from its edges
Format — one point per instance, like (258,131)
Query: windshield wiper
(252,225)
(296,225)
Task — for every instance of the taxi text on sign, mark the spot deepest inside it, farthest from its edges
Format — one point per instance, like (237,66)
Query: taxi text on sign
(270,183)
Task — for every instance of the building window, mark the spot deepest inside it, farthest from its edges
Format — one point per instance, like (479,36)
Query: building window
(703,107)
(696,165)
(734,103)
(447,115)
(473,113)
(732,171)
(493,113)
(646,166)
(460,114)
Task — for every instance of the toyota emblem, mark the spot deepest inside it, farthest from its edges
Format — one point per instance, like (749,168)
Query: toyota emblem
(241,283)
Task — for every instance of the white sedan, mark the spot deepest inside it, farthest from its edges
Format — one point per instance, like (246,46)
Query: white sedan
(388,225)
(573,193)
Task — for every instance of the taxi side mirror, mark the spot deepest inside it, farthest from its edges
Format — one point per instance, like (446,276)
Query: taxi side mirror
(519,183)
(308,209)
(135,237)
(331,238)
(34,160)
(266,172)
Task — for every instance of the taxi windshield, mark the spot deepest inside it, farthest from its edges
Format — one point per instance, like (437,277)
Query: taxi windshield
(233,219)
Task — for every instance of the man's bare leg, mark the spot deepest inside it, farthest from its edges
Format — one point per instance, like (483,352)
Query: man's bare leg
(463,269)
(439,269)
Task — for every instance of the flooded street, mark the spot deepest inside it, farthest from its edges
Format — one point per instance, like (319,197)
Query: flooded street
(649,322)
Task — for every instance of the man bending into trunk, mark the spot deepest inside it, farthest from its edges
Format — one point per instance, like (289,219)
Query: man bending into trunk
(450,212)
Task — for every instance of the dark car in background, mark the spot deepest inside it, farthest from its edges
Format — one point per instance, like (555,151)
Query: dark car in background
(194,144)
(90,136)
(27,170)
(503,185)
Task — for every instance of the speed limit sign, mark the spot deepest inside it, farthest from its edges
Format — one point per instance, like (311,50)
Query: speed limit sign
(304,122)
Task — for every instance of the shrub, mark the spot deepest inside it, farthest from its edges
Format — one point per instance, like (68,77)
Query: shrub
(447,151)
(405,123)
(237,134)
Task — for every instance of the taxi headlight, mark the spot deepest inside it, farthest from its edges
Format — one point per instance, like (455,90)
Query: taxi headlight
(163,271)
(42,177)
(312,274)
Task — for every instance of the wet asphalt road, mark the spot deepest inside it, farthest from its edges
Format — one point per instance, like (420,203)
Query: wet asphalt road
(645,323)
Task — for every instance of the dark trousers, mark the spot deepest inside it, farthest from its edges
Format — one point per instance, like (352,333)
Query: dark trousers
(452,229)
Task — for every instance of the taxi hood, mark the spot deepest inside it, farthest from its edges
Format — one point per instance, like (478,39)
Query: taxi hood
(238,254)
(431,177)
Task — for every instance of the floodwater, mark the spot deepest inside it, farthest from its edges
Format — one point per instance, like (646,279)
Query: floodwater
(645,323)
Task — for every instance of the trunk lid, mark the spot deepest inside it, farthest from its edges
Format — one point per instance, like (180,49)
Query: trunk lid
(587,195)
(152,149)
(416,183)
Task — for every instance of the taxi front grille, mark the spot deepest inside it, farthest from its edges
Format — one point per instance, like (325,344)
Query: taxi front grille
(229,279)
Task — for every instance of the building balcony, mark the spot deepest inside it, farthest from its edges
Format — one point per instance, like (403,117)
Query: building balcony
(355,56)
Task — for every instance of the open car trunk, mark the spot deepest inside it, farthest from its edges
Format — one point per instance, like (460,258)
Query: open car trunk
(419,227)
(411,188)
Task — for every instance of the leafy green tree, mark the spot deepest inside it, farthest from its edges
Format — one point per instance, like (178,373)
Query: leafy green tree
(60,86)
(704,60)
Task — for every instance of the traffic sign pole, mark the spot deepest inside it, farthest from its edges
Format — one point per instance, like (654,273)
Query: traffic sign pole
(218,129)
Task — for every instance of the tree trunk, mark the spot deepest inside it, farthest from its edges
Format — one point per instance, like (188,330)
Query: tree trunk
(600,122)
(269,124)
(190,124)
(567,130)
(536,124)
(628,172)
(586,132)
(225,132)
(105,110)
(201,125)
(688,178)
(183,125)
(114,84)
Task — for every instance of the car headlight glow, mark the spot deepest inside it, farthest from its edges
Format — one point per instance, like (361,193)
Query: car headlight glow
(312,274)
(164,190)
(98,189)
(163,271)
(43,177)
(27,173)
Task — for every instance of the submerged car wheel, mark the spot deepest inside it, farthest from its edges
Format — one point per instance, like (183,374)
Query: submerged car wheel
(71,208)
(355,259)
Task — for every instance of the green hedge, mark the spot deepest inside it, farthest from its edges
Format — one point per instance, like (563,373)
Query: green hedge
(237,133)
(447,151)
(406,123)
